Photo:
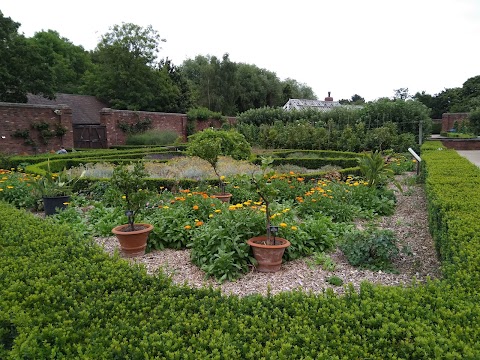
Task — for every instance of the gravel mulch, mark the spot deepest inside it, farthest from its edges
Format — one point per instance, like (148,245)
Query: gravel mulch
(409,223)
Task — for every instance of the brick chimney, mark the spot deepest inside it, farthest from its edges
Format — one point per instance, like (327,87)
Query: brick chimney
(329,98)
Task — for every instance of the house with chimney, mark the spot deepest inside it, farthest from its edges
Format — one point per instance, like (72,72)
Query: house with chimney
(320,105)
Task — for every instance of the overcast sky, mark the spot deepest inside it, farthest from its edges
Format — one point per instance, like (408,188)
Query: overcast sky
(365,47)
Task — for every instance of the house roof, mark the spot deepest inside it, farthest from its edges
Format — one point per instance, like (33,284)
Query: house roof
(85,108)
(300,104)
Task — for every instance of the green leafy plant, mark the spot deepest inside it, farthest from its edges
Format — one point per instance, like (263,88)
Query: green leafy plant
(210,144)
(262,183)
(325,261)
(55,184)
(334,280)
(371,248)
(130,181)
(376,172)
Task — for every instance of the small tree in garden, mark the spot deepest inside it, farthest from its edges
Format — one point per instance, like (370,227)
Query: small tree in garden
(131,183)
(209,144)
(266,191)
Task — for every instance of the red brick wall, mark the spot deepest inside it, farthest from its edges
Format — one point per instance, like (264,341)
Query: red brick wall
(448,119)
(21,116)
(461,144)
(161,121)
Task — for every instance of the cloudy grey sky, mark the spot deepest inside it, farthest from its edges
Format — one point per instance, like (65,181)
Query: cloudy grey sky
(368,47)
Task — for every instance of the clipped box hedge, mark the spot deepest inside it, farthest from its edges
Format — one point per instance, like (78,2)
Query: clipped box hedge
(61,296)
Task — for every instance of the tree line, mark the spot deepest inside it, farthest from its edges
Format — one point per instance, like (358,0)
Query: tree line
(125,71)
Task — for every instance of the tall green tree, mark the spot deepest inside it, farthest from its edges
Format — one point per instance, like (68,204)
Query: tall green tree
(68,62)
(292,89)
(23,69)
(355,100)
(127,73)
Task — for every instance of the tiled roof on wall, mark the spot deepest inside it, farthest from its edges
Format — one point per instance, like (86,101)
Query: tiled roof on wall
(85,108)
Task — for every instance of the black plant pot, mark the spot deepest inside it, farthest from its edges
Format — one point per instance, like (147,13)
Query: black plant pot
(54,203)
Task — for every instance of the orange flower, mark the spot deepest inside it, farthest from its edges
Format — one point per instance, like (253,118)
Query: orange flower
(283,225)
(187,227)
(199,223)
(195,207)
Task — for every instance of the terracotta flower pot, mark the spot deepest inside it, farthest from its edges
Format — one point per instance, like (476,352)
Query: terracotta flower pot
(132,243)
(269,257)
(223,197)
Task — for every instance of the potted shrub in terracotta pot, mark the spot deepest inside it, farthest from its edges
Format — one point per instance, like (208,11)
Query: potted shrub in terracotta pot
(209,144)
(267,249)
(130,181)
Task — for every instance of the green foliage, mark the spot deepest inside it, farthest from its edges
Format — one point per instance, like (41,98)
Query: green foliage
(325,261)
(24,69)
(371,248)
(376,172)
(209,144)
(334,280)
(203,113)
(130,181)
(474,120)
(220,246)
(15,189)
(54,184)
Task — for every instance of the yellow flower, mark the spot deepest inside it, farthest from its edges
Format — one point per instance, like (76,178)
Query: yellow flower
(124,197)
(9,187)
(210,216)
(195,207)
(356,183)
(232,207)
(218,211)
(222,177)
(187,227)
(239,206)
(66,203)
(294,228)
(283,225)
(166,207)
(285,210)
(1,189)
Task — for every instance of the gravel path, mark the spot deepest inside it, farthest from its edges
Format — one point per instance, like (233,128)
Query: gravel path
(409,223)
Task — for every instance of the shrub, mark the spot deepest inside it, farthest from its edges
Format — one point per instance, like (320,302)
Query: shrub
(372,248)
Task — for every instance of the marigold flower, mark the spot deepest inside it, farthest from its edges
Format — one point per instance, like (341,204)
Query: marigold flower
(1,189)
(187,227)
(232,207)
(283,225)
(124,197)
(294,228)
(218,211)
(210,215)
(239,206)
(199,223)
(166,207)
(9,187)
(222,177)
(195,207)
